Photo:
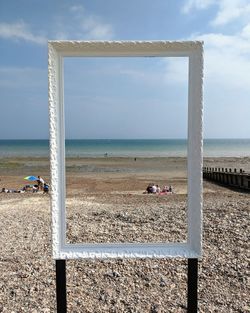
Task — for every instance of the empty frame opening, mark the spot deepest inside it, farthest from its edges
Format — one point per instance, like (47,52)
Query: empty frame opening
(126,130)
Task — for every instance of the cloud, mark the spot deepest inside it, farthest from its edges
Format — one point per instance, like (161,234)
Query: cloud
(20,31)
(81,25)
(226,84)
(96,29)
(197,4)
(246,32)
(228,11)
(226,60)
(77,8)
(176,71)
(166,72)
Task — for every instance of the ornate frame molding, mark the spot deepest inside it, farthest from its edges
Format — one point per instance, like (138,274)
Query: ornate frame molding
(193,50)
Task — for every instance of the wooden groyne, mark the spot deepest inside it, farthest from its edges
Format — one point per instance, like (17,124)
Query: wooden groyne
(228,177)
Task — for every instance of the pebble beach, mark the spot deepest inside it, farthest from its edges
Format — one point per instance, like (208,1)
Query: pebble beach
(105,203)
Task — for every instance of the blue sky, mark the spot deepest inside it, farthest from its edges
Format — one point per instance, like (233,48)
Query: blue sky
(124,98)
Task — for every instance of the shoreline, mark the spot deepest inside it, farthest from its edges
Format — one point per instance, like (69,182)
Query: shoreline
(113,173)
(211,159)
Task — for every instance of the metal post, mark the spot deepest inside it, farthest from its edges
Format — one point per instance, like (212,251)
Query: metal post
(192,303)
(61,298)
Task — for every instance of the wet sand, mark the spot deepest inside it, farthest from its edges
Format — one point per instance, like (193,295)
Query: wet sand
(124,174)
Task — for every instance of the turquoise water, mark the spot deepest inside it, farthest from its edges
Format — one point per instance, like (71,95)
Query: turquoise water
(123,148)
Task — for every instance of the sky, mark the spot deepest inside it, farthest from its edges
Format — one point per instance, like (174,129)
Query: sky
(124,97)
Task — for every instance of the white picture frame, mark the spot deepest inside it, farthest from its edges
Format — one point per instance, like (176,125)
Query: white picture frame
(193,50)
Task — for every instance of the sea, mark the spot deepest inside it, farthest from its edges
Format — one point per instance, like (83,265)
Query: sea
(125,148)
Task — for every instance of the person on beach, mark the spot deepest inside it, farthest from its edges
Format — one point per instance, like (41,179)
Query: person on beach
(45,188)
(35,188)
(5,190)
(149,189)
(40,182)
(165,189)
(152,188)
(158,189)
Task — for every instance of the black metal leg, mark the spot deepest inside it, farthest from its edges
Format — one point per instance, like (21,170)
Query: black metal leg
(61,298)
(192,303)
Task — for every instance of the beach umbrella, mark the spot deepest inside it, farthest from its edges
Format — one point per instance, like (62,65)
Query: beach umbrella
(32,178)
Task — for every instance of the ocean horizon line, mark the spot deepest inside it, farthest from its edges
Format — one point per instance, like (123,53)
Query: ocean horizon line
(179,138)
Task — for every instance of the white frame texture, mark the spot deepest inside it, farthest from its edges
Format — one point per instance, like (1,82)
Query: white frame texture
(193,50)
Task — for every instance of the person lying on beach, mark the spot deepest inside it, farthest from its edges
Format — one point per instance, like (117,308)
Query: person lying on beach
(5,190)
(21,191)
